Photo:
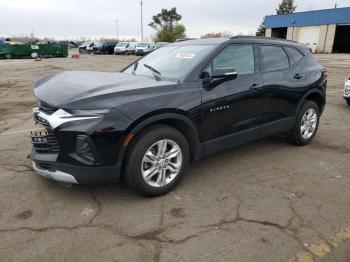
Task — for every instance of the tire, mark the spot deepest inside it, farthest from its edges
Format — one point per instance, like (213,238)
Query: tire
(348,102)
(138,165)
(308,119)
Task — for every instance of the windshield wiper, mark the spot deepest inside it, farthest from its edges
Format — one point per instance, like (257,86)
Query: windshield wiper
(155,72)
(135,66)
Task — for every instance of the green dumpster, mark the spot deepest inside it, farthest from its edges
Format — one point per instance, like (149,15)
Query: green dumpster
(33,50)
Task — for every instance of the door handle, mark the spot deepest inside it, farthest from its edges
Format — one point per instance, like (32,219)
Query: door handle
(298,76)
(254,87)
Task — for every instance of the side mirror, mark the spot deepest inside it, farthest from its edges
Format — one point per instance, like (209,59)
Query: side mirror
(219,76)
(225,73)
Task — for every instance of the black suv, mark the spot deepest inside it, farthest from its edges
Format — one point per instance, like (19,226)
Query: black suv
(106,47)
(181,102)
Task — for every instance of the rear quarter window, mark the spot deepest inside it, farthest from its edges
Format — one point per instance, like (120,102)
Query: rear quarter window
(294,55)
(274,58)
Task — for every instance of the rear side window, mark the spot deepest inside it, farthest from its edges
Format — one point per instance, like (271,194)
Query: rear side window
(239,57)
(294,55)
(274,58)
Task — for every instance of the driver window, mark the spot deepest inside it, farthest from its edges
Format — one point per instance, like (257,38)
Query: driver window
(239,57)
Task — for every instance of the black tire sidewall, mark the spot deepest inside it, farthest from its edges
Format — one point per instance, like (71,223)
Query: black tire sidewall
(138,148)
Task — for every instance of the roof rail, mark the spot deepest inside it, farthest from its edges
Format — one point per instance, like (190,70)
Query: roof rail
(262,38)
(184,39)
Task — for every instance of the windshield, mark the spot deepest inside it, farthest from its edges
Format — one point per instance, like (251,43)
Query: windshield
(121,44)
(98,44)
(142,45)
(173,62)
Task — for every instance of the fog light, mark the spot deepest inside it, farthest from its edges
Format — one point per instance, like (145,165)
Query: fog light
(83,149)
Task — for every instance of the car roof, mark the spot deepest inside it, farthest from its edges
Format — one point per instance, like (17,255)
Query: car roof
(240,40)
(207,41)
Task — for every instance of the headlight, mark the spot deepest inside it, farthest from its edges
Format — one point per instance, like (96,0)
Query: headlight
(347,90)
(83,112)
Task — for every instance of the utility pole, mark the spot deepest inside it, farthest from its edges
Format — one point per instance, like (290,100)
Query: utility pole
(141,22)
(117,29)
(33,36)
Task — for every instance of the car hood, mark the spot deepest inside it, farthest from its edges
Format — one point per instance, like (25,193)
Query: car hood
(90,90)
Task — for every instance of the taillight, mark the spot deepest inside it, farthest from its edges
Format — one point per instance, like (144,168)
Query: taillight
(325,72)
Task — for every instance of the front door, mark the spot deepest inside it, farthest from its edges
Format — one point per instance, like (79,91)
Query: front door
(232,110)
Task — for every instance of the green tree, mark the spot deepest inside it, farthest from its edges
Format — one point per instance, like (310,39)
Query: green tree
(286,7)
(223,34)
(261,29)
(168,27)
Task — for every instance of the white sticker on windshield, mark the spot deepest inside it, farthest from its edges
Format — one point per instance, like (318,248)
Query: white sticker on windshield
(185,55)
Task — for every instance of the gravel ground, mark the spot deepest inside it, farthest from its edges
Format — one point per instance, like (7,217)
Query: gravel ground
(264,201)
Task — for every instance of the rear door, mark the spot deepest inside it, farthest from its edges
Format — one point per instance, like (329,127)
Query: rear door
(283,85)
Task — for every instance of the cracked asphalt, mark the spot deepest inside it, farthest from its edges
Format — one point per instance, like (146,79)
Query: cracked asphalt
(264,201)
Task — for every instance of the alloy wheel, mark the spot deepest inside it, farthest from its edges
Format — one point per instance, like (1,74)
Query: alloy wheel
(161,163)
(308,123)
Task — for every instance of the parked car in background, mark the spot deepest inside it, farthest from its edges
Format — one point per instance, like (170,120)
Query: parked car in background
(160,44)
(144,48)
(347,90)
(82,47)
(182,102)
(97,48)
(125,48)
(108,47)
(90,47)
(72,44)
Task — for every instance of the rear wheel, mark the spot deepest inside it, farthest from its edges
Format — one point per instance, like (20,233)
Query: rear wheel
(156,160)
(306,124)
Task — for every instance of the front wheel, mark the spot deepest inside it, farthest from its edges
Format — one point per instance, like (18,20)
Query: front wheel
(306,125)
(157,160)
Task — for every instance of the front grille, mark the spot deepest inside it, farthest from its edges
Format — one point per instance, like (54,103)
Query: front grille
(47,109)
(44,142)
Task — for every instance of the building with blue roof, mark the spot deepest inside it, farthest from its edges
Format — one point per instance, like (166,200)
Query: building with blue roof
(323,31)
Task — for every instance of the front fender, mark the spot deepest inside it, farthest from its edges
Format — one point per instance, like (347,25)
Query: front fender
(160,118)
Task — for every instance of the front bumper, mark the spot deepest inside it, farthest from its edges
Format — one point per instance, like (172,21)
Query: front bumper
(118,51)
(54,174)
(53,152)
(347,90)
(76,174)
(82,50)
(140,52)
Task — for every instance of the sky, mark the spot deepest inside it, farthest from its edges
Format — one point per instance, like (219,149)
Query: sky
(97,18)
